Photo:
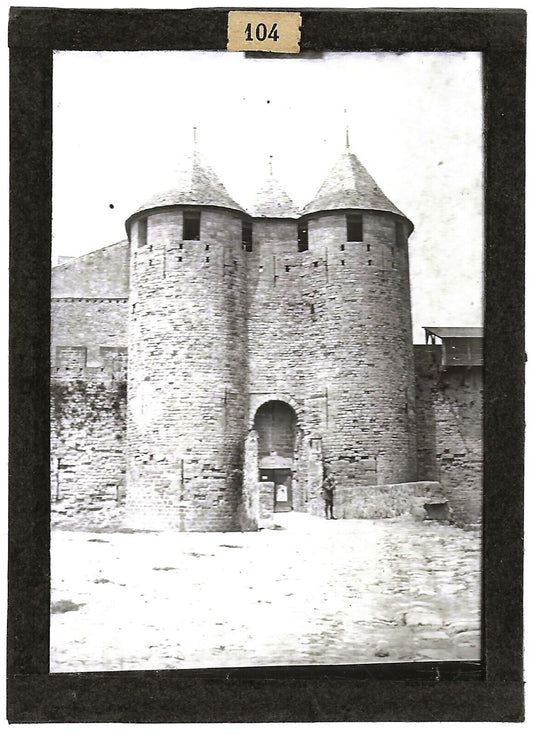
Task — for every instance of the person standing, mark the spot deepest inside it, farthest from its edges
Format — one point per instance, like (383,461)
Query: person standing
(328,490)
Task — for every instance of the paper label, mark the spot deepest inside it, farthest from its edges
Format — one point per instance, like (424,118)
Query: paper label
(264,31)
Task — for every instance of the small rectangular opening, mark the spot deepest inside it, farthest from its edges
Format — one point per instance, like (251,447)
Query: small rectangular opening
(247,236)
(342,246)
(191,225)
(354,228)
(141,231)
(287,269)
(342,262)
(303,237)
(399,234)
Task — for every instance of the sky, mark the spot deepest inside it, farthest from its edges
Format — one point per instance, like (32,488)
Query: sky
(123,121)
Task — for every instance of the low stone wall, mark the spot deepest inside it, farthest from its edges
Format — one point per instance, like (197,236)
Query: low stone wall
(88,514)
(88,429)
(387,501)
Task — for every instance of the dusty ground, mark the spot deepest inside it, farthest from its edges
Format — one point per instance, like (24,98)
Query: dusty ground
(314,592)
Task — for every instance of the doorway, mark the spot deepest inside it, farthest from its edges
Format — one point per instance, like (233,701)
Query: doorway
(282,480)
(275,423)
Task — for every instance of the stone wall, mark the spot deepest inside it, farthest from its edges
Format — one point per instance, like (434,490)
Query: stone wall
(93,326)
(88,464)
(387,501)
(450,431)
(102,273)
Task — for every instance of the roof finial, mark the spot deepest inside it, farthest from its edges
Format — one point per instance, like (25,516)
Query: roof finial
(194,135)
(270,164)
(347,131)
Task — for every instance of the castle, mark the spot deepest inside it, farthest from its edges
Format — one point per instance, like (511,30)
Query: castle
(206,370)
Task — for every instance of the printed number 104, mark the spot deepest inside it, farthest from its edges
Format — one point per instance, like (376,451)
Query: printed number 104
(261,32)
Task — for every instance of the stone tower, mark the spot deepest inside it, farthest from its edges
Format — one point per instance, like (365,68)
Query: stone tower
(363,359)
(187,356)
(263,346)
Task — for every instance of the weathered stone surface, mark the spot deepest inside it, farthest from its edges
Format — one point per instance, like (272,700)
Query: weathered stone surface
(450,431)
(88,423)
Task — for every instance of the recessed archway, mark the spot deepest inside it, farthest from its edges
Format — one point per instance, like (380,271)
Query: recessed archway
(275,424)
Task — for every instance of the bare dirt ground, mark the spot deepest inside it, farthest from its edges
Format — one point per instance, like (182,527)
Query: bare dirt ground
(311,592)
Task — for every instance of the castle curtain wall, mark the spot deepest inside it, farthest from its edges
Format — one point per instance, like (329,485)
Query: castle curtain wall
(87,444)
(450,431)
(88,388)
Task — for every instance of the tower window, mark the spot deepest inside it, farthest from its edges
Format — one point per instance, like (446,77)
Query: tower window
(191,225)
(303,237)
(141,231)
(399,234)
(247,236)
(342,246)
(354,228)
(342,262)
(287,268)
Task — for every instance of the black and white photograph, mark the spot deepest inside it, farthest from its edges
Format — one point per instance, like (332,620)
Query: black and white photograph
(266,413)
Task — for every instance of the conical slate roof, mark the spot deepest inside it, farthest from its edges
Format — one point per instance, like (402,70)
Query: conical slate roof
(349,186)
(273,201)
(196,183)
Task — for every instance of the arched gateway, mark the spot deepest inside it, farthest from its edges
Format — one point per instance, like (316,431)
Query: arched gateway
(275,424)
